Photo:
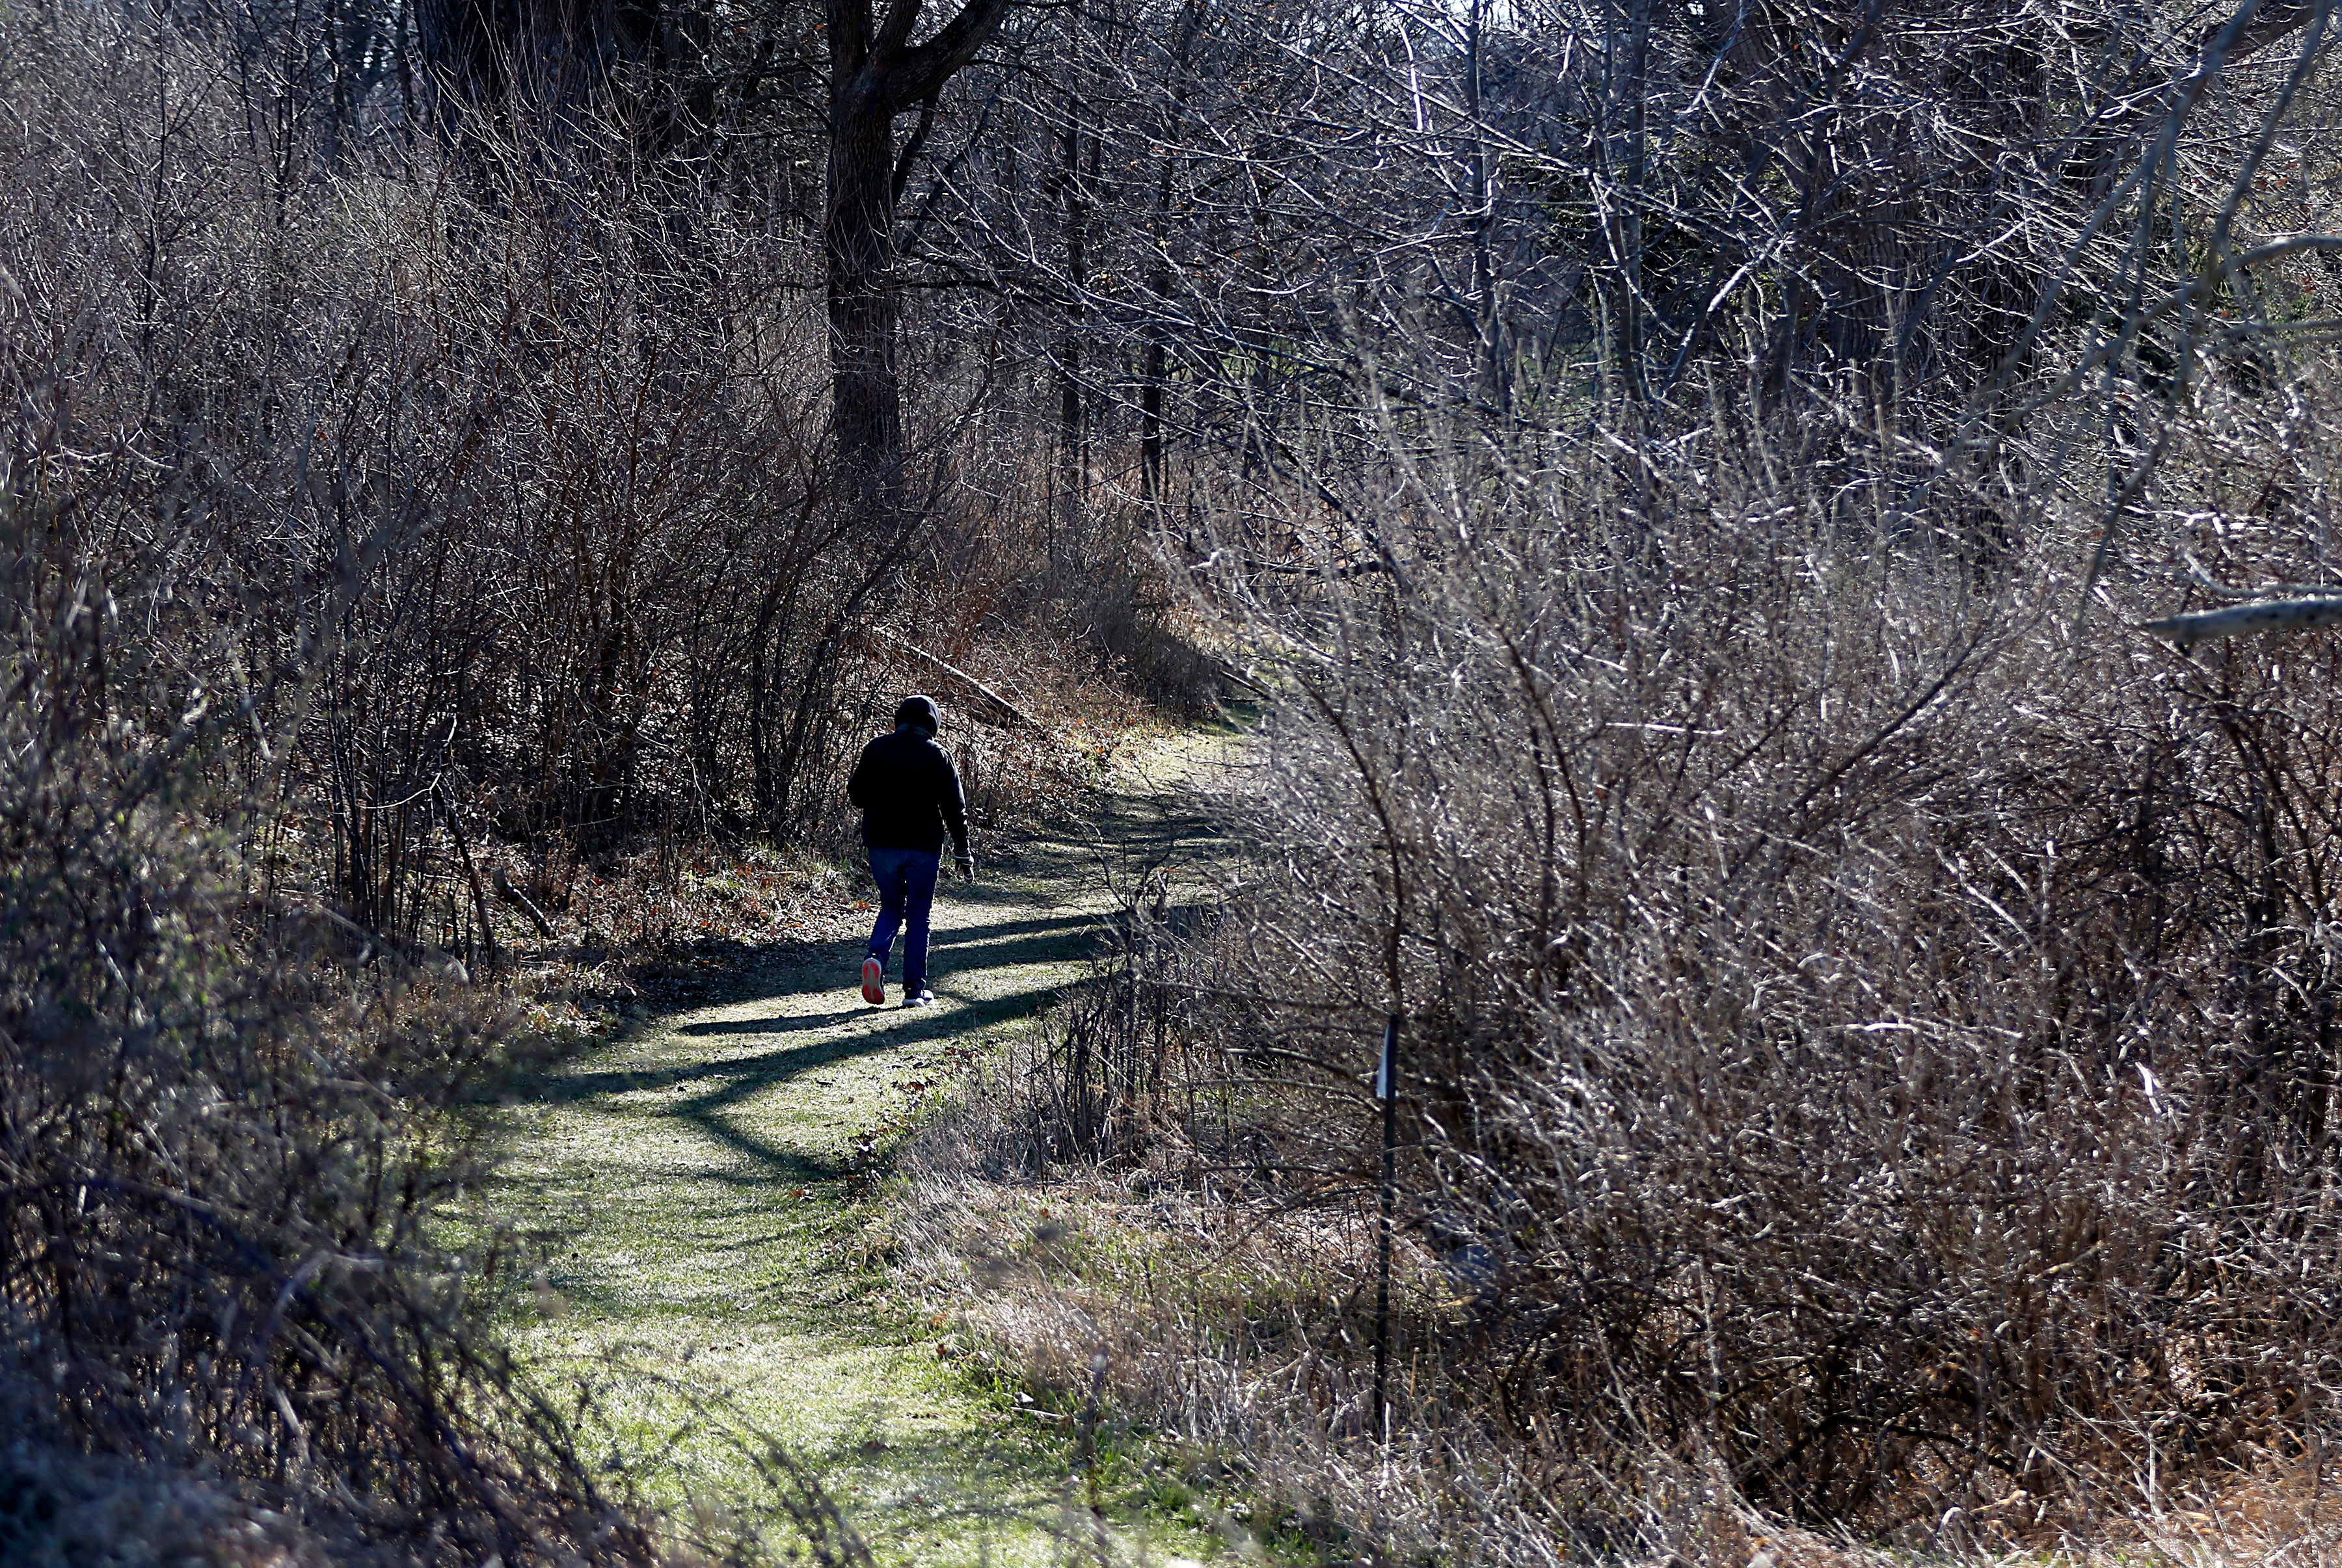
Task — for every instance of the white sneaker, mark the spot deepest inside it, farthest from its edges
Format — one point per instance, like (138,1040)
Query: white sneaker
(873,982)
(922,997)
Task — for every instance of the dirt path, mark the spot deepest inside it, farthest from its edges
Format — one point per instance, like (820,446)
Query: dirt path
(696,1182)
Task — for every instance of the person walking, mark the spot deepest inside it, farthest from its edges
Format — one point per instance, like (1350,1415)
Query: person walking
(909,794)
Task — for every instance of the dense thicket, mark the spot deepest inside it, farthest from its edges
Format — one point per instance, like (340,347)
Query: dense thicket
(1862,1035)
(1866,1012)
(235,1330)
(1679,475)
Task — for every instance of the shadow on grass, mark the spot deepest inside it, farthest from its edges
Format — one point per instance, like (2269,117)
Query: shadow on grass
(735,1079)
(748,1076)
(1021,1483)
(999,944)
(710,1094)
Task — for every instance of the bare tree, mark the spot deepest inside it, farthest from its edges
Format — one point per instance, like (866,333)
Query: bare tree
(877,74)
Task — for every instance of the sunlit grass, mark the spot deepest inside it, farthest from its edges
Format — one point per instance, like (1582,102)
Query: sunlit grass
(706,1244)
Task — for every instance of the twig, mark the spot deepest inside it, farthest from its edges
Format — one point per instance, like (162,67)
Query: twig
(1331,571)
(522,902)
(2206,581)
(472,874)
(970,682)
(1386,1090)
(1229,673)
(1085,1452)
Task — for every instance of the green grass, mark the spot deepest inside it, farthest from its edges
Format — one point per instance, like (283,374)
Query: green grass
(697,1190)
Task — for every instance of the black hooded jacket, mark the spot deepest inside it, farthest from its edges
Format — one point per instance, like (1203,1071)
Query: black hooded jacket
(909,794)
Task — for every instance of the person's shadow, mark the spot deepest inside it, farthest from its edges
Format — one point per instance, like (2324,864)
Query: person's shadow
(730,1080)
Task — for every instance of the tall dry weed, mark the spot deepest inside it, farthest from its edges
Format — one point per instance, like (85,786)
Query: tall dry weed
(1867,1016)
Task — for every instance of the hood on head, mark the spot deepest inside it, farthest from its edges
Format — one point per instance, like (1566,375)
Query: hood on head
(920,713)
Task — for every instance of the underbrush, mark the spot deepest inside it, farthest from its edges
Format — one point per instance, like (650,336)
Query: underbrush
(665,922)
(1122,1273)
(1865,1048)
(351,757)
(248,1302)
(225,1130)
(1223,1328)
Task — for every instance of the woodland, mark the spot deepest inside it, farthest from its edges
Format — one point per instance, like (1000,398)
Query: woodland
(1770,558)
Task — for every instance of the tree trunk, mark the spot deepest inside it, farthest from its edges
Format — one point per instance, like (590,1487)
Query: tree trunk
(1073,453)
(857,242)
(875,72)
(1159,275)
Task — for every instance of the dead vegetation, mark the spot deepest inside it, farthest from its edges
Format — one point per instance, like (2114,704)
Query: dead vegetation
(1867,1019)
(1866,1002)
(1685,488)
(1865,1057)
(413,600)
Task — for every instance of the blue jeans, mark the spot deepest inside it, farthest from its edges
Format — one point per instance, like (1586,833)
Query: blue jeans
(906,892)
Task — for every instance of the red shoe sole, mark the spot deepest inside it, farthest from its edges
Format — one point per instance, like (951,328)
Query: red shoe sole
(873,982)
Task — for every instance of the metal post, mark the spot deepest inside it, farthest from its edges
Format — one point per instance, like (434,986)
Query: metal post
(1386,1090)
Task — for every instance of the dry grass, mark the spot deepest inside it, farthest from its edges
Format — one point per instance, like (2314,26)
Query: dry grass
(1868,1030)
(1230,1337)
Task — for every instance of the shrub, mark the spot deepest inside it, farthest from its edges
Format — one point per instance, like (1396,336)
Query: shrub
(1866,1041)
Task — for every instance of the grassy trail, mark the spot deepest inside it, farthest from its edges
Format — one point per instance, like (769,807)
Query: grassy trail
(694,1184)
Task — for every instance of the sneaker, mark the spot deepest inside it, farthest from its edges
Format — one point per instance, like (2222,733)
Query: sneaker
(922,997)
(873,982)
